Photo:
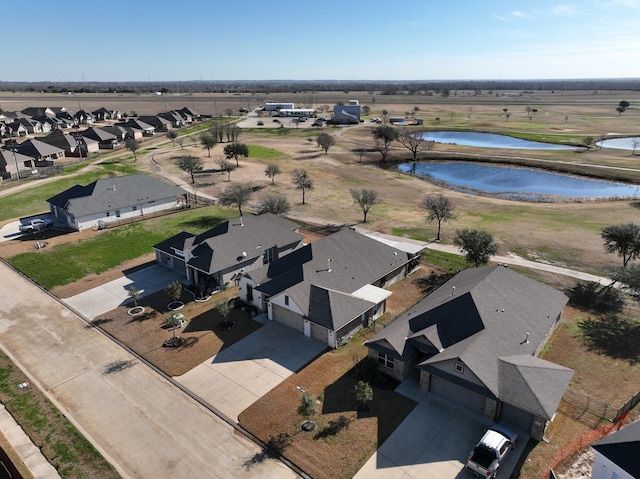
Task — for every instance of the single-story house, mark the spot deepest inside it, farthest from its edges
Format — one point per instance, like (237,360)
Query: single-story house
(43,153)
(114,199)
(189,114)
(617,455)
(175,118)
(220,255)
(147,130)
(62,140)
(84,118)
(11,162)
(102,114)
(158,122)
(475,341)
(123,132)
(106,140)
(331,288)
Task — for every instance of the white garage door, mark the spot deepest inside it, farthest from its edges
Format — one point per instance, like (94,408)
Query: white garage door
(458,394)
(288,318)
(516,417)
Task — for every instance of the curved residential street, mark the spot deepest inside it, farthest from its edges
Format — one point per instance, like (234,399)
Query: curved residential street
(142,424)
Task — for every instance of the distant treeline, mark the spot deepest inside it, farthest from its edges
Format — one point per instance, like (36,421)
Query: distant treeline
(289,86)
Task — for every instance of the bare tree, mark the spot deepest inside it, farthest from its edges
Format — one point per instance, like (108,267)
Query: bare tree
(236,195)
(383,135)
(208,141)
(228,111)
(439,208)
(325,141)
(273,203)
(365,199)
(271,171)
(302,182)
(180,141)
(506,113)
(172,135)
(225,166)
(588,141)
(385,114)
(133,146)
(635,143)
(414,141)
(366,110)
(190,164)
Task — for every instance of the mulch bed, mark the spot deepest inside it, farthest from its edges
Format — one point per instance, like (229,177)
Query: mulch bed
(202,336)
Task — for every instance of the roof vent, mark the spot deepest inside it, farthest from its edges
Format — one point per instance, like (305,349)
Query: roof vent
(329,265)
(453,290)
(526,339)
(244,254)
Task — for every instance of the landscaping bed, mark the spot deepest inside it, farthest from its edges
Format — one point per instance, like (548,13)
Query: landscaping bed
(202,338)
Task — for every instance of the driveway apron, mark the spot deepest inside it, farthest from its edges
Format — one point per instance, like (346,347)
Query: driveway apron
(142,424)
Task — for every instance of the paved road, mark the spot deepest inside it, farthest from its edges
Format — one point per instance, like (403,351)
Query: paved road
(142,424)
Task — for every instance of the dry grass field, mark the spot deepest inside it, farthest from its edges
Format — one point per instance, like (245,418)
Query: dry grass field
(562,233)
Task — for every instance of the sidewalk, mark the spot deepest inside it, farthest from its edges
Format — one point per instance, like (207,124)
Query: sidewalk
(141,423)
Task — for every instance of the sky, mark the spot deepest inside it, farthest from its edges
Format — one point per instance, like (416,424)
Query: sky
(162,40)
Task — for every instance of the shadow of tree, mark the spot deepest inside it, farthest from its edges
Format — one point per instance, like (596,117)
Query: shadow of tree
(635,204)
(426,284)
(189,342)
(275,446)
(208,221)
(334,427)
(592,296)
(143,317)
(99,322)
(614,336)
(117,366)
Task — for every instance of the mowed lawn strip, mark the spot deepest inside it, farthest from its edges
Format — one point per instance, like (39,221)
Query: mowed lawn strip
(60,442)
(70,262)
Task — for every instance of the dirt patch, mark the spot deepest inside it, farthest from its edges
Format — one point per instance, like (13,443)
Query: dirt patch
(202,336)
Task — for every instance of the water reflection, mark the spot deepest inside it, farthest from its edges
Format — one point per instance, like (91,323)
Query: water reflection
(488,140)
(517,183)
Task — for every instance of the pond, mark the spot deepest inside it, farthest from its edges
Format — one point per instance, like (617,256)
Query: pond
(518,183)
(621,143)
(488,140)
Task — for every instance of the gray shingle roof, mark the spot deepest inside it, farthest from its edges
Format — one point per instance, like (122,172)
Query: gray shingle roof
(37,149)
(483,316)
(356,260)
(114,193)
(622,448)
(223,246)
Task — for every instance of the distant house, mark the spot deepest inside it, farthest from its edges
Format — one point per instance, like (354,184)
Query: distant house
(43,153)
(145,128)
(106,140)
(475,340)
(618,455)
(177,120)
(84,118)
(11,163)
(114,199)
(62,140)
(102,114)
(331,288)
(158,122)
(189,114)
(220,255)
(273,106)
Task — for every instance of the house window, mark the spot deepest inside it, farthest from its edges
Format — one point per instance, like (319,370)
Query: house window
(267,256)
(108,213)
(385,360)
(249,293)
(117,213)
(459,368)
(286,300)
(134,208)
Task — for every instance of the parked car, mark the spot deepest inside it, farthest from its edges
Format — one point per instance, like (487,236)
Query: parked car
(486,457)
(37,224)
(260,123)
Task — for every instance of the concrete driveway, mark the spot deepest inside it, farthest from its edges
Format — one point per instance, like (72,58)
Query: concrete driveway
(10,231)
(434,442)
(239,375)
(109,296)
(140,422)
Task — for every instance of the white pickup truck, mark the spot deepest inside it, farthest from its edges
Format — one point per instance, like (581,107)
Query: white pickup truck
(486,457)
(37,224)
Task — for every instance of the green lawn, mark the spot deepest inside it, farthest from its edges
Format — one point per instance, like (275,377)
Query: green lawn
(257,151)
(34,200)
(66,263)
